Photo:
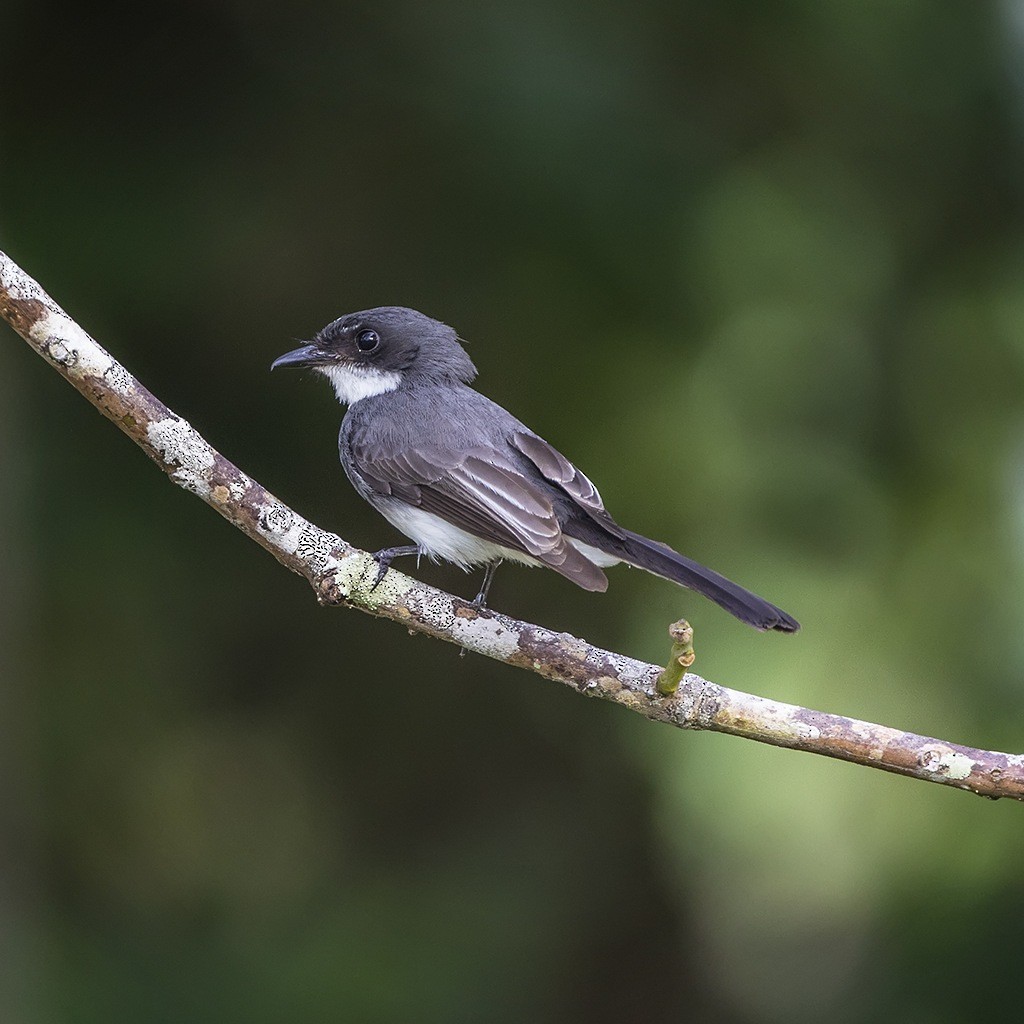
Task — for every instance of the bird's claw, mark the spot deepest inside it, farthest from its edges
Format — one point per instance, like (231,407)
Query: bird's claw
(480,601)
(382,570)
(386,556)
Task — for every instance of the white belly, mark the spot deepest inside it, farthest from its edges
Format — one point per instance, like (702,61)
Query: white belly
(440,539)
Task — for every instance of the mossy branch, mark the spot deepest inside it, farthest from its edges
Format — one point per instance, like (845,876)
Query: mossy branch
(341,574)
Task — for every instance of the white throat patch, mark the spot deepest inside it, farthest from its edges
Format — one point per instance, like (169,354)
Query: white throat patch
(352,383)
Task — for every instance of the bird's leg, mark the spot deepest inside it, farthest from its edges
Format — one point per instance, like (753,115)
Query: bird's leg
(480,599)
(387,555)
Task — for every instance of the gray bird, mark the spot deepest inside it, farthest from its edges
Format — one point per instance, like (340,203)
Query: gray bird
(465,479)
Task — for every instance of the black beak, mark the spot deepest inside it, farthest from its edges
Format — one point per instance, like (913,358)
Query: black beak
(308,355)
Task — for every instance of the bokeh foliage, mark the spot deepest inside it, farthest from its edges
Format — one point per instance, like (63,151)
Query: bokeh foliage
(758,268)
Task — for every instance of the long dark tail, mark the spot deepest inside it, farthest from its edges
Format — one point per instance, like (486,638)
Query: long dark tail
(663,561)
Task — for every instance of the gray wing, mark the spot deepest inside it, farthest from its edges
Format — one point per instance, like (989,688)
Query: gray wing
(482,491)
(560,472)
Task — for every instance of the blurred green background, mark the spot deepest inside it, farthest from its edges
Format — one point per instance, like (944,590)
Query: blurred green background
(758,268)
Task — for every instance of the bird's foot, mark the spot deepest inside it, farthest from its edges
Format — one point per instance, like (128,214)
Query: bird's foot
(386,556)
(480,601)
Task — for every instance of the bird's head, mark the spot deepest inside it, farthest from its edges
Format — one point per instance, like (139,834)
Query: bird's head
(378,350)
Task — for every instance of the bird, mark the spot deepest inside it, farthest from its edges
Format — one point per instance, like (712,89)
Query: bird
(464,479)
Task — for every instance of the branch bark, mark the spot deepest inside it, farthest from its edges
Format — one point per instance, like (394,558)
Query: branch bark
(341,575)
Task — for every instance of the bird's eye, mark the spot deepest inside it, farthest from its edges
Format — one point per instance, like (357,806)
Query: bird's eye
(367,340)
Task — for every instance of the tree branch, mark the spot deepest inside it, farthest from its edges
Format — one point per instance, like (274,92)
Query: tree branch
(341,575)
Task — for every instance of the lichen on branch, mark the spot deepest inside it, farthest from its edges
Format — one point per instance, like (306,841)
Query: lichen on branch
(343,575)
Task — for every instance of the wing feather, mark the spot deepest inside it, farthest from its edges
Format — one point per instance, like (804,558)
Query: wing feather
(558,470)
(481,491)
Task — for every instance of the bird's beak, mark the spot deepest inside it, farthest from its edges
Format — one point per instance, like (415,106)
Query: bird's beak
(308,355)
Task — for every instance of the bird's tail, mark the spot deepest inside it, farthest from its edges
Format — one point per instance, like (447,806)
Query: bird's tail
(661,560)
